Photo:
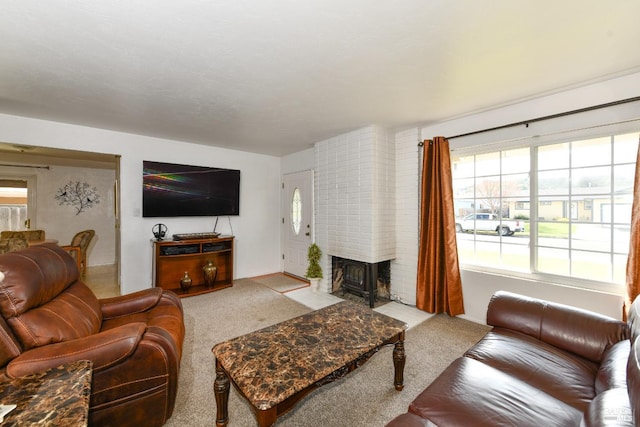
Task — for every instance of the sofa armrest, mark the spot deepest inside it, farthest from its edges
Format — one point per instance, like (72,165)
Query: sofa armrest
(611,407)
(585,333)
(136,302)
(103,349)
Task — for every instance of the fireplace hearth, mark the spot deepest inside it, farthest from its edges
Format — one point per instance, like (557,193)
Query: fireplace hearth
(369,280)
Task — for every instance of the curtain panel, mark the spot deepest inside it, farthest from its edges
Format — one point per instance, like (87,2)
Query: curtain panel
(633,260)
(439,287)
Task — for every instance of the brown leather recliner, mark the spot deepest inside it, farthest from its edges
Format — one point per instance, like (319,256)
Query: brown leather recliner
(49,317)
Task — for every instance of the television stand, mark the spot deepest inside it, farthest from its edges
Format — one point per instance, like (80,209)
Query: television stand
(172,258)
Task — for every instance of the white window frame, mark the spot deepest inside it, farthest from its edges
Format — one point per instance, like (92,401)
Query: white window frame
(537,141)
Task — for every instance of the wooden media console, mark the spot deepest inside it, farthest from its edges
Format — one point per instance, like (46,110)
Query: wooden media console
(172,258)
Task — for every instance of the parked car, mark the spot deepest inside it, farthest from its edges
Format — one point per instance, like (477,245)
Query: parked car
(489,222)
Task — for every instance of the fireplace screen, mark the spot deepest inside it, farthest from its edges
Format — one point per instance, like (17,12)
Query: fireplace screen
(359,277)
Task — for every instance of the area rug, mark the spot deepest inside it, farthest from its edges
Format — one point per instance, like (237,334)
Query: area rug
(365,397)
(280,282)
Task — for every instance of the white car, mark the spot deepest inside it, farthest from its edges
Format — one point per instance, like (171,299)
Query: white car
(489,222)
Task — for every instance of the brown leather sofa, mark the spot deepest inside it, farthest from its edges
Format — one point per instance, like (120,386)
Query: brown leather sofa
(542,364)
(49,317)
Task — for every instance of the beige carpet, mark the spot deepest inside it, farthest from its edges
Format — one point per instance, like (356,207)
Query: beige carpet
(365,397)
(280,282)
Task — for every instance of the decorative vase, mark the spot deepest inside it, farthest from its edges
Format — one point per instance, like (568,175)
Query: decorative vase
(210,272)
(185,282)
(314,282)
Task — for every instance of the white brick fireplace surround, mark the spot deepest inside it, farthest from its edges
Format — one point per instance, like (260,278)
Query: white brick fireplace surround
(355,197)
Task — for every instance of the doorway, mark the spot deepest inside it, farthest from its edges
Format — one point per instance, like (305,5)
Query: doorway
(17,201)
(48,170)
(297,221)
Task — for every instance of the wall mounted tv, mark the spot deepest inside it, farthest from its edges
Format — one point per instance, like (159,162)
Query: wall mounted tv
(171,190)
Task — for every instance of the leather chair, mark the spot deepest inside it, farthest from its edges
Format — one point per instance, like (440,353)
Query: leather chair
(49,317)
(78,249)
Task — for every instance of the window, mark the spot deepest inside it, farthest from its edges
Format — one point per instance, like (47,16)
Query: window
(561,210)
(296,211)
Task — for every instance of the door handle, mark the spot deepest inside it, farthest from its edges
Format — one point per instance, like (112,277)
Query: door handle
(307,234)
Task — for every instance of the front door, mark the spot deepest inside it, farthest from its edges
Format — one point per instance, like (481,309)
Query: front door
(297,216)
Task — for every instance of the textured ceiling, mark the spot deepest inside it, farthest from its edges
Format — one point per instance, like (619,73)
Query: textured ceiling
(276,76)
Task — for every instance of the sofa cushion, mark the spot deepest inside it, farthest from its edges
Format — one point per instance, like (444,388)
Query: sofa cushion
(470,392)
(579,331)
(42,300)
(34,277)
(539,364)
(75,313)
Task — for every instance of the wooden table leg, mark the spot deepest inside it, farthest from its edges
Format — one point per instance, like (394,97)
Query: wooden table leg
(221,391)
(267,418)
(398,363)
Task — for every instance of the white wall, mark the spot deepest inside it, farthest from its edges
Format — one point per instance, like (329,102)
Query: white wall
(256,229)
(298,162)
(355,195)
(61,222)
(404,268)
(478,287)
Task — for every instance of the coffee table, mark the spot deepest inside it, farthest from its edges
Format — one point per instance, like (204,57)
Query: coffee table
(275,367)
(58,396)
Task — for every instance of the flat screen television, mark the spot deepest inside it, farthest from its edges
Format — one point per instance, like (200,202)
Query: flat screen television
(171,190)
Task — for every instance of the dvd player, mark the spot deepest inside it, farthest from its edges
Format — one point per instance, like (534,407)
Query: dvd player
(179,250)
(195,236)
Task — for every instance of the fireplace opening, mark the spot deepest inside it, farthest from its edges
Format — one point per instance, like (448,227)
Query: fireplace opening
(369,280)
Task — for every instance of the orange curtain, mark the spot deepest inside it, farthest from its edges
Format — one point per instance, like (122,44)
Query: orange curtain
(633,260)
(439,288)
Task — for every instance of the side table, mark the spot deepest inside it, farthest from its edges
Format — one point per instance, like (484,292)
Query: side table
(56,397)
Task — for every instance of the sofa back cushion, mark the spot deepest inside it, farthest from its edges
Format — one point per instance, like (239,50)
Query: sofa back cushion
(581,332)
(42,300)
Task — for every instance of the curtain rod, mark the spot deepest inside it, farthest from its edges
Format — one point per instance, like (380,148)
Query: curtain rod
(552,116)
(25,166)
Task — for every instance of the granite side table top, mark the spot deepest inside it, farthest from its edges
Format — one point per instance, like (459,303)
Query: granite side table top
(56,397)
(276,362)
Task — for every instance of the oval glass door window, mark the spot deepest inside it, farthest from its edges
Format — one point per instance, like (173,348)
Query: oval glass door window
(296,211)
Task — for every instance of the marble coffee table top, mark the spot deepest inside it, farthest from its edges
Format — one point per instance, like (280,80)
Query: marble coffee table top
(58,396)
(274,363)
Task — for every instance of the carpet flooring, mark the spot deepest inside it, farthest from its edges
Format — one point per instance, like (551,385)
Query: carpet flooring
(365,397)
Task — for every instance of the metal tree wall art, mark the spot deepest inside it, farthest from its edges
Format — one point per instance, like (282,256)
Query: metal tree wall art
(79,195)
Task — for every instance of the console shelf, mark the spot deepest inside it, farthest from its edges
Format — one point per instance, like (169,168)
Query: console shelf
(173,257)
